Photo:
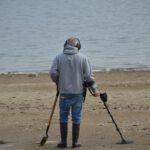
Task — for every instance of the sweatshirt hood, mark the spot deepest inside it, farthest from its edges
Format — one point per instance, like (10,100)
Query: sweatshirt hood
(70,50)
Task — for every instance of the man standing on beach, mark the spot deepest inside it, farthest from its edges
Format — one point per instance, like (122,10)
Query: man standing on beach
(69,71)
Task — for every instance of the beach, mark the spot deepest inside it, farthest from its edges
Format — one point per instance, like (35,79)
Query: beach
(26,101)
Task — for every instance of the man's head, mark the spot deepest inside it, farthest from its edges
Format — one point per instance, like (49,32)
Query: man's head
(75,42)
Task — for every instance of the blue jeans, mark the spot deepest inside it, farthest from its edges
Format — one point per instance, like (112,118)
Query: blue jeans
(71,102)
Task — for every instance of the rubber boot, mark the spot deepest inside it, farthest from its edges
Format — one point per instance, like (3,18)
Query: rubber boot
(75,135)
(63,132)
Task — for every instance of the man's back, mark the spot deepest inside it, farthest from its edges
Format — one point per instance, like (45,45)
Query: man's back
(72,68)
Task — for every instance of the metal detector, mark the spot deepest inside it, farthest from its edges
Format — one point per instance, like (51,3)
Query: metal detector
(104,97)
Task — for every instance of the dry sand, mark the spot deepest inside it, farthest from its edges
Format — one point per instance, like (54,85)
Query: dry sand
(26,101)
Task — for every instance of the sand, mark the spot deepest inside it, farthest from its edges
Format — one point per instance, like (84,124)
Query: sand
(26,101)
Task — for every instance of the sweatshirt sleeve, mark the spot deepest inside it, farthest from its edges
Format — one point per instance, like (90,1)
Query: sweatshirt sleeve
(88,74)
(54,73)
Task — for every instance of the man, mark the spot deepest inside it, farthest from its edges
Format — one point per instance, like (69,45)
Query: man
(69,71)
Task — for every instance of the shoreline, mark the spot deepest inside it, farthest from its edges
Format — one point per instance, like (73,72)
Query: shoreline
(94,71)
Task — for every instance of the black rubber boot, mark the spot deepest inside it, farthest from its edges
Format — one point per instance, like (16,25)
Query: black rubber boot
(75,135)
(63,132)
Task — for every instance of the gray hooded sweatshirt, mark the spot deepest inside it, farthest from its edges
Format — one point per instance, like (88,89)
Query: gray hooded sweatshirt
(69,69)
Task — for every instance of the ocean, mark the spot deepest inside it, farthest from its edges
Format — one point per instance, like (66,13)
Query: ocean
(114,34)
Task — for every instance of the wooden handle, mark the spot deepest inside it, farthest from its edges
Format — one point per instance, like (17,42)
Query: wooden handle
(53,108)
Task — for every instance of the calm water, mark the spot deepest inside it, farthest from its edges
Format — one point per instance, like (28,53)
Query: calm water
(114,33)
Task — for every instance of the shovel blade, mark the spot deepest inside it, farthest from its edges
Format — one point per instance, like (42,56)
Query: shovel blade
(43,141)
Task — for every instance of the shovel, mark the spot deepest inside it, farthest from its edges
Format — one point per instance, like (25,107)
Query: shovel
(44,139)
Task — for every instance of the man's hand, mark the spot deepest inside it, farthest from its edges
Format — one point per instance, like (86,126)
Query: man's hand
(97,93)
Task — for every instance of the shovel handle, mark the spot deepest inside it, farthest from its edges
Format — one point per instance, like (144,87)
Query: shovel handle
(53,109)
(52,112)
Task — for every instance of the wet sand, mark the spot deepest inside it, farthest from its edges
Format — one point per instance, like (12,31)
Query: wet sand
(26,101)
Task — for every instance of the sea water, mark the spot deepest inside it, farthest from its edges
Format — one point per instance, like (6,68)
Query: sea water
(115,34)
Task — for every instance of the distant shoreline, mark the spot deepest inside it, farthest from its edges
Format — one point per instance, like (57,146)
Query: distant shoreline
(94,71)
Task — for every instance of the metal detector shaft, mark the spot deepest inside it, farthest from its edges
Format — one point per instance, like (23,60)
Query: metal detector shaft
(117,128)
